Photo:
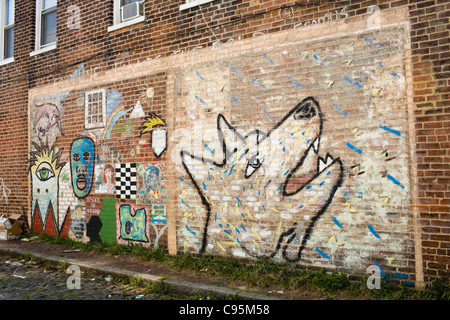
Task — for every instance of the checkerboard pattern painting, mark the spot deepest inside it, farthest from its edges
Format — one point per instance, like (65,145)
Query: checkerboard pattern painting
(126,181)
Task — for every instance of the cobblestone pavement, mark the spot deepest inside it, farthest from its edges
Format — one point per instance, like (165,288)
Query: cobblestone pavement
(28,280)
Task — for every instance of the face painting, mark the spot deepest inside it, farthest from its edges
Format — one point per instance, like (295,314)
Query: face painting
(82,166)
(45,169)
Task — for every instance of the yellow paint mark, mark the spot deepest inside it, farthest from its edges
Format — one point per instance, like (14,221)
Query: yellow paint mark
(220,246)
(356,132)
(256,234)
(229,223)
(257,245)
(248,212)
(333,240)
(348,204)
(389,260)
(384,199)
(230,243)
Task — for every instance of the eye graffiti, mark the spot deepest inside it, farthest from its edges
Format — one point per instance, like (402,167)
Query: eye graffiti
(82,166)
(45,168)
(44,171)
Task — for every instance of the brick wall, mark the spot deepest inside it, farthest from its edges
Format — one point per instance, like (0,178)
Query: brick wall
(381,86)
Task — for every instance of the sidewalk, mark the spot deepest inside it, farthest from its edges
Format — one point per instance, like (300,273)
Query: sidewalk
(178,281)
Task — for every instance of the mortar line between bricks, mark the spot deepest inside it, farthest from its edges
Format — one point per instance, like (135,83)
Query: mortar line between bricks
(176,284)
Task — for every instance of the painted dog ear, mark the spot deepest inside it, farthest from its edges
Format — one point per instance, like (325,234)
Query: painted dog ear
(231,140)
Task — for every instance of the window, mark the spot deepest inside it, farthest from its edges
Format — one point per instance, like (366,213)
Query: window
(127,13)
(45,25)
(193,3)
(95,109)
(7,31)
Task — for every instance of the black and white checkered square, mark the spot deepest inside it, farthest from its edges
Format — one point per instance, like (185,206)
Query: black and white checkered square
(126,181)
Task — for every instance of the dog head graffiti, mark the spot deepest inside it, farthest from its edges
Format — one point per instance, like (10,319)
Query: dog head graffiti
(45,167)
(82,165)
(51,112)
(280,166)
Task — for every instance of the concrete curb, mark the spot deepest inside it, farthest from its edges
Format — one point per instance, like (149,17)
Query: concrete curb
(176,285)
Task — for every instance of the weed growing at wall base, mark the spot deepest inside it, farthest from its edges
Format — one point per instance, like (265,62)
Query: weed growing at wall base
(261,274)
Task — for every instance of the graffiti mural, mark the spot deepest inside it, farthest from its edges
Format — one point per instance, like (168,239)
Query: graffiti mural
(49,111)
(258,167)
(105,178)
(158,129)
(45,167)
(82,165)
(126,180)
(46,117)
(159,222)
(132,223)
(151,183)
(78,228)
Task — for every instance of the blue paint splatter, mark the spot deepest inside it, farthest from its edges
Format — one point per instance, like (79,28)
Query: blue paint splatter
(320,62)
(265,56)
(233,97)
(258,83)
(354,82)
(400,275)
(373,231)
(182,201)
(354,148)
(237,72)
(396,132)
(199,75)
(336,221)
(371,42)
(196,97)
(395,181)
(209,149)
(323,254)
(242,226)
(265,111)
(295,82)
(181,179)
(340,110)
(231,170)
(204,186)
(286,172)
(226,231)
(194,233)
(240,203)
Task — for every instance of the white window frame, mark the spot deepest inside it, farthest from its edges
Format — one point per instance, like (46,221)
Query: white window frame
(193,3)
(38,48)
(3,26)
(117,23)
(86,109)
